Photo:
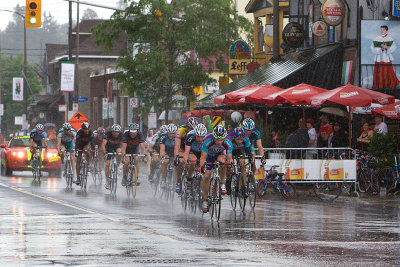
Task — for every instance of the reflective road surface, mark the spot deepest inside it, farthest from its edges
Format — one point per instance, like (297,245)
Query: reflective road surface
(48,225)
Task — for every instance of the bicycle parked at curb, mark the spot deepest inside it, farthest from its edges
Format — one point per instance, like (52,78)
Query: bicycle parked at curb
(132,175)
(367,174)
(390,175)
(273,177)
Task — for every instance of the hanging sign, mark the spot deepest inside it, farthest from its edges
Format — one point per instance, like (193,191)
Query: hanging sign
(18,89)
(239,57)
(319,28)
(396,8)
(77,120)
(67,76)
(105,108)
(134,102)
(333,12)
(62,108)
(293,34)
(152,120)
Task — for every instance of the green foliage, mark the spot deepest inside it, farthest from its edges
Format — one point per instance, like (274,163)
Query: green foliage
(166,34)
(383,147)
(12,67)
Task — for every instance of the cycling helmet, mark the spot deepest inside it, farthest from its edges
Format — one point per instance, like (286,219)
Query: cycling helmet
(239,132)
(116,128)
(219,132)
(172,128)
(163,128)
(191,123)
(39,127)
(66,126)
(85,125)
(133,127)
(101,130)
(200,130)
(248,124)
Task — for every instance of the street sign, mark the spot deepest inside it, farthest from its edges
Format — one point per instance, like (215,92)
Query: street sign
(1,109)
(152,120)
(134,101)
(82,99)
(77,120)
(19,120)
(62,108)
(105,108)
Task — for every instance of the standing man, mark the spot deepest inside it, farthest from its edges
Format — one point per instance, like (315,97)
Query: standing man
(325,130)
(380,126)
(383,46)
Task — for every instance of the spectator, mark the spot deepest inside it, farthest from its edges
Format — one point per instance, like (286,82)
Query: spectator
(380,126)
(365,137)
(324,132)
(150,134)
(298,139)
(339,137)
(312,143)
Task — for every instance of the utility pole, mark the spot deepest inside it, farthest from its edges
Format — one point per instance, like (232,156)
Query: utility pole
(76,92)
(275,22)
(69,98)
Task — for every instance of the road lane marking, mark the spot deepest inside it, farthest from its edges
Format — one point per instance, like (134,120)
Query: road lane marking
(89,211)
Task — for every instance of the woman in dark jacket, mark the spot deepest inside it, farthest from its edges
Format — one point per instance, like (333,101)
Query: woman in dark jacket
(339,137)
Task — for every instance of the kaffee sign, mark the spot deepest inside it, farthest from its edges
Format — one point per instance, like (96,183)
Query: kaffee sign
(333,12)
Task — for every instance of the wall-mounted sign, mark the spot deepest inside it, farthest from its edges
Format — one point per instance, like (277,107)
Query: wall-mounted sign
(238,66)
(319,28)
(396,8)
(67,76)
(293,34)
(333,12)
(239,57)
(18,89)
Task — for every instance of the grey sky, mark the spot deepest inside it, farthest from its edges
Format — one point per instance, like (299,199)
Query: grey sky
(57,8)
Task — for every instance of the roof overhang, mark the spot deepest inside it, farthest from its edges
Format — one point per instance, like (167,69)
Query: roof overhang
(65,57)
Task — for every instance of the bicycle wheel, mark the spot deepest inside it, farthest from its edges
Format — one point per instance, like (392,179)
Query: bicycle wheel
(242,193)
(328,191)
(95,170)
(218,200)
(156,180)
(67,173)
(251,190)
(83,175)
(129,183)
(288,190)
(388,175)
(234,189)
(261,189)
(375,183)
(364,182)
(213,198)
(184,193)
(134,179)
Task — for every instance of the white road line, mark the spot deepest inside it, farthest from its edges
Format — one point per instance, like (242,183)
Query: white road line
(108,217)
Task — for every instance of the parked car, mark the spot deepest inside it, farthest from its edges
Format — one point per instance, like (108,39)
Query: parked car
(15,155)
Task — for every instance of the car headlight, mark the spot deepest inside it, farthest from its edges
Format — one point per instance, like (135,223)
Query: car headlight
(20,154)
(51,155)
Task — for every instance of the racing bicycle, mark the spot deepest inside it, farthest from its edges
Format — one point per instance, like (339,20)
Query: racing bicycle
(132,175)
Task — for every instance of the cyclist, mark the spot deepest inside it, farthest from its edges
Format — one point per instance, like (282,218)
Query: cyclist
(98,137)
(65,141)
(167,143)
(254,136)
(240,146)
(35,141)
(131,141)
(84,138)
(112,143)
(215,148)
(193,145)
(154,148)
(179,149)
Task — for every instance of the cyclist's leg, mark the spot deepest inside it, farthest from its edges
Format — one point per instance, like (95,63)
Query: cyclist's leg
(119,157)
(242,170)
(164,164)
(78,161)
(153,165)
(126,161)
(33,150)
(62,152)
(72,156)
(222,173)
(192,165)
(107,169)
(180,167)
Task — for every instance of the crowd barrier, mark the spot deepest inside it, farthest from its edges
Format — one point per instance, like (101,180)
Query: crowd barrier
(304,165)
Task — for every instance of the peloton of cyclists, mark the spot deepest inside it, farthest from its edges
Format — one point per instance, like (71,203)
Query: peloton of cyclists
(66,141)
(131,141)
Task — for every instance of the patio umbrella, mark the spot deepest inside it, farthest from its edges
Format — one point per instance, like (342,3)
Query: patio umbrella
(237,95)
(299,94)
(49,124)
(259,95)
(351,96)
(219,99)
(391,111)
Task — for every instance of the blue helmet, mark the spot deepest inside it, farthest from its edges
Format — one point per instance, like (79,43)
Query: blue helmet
(219,132)
(239,132)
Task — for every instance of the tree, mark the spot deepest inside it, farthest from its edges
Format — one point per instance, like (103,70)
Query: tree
(12,67)
(89,14)
(167,41)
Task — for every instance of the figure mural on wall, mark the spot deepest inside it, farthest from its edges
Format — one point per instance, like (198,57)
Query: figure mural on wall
(260,36)
(382,47)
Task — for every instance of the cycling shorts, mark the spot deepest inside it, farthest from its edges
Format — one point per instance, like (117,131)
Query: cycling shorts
(211,159)
(68,145)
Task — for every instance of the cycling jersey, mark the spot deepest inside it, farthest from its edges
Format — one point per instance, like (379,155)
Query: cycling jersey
(67,140)
(169,145)
(213,151)
(97,139)
(254,136)
(155,141)
(37,138)
(113,143)
(83,139)
(181,133)
(132,144)
(244,148)
(195,147)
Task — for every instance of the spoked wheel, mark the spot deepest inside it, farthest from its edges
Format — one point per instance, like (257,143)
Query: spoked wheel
(113,181)
(288,190)
(94,171)
(134,178)
(251,190)
(129,184)
(261,189)
(184,193)
(215,200)
(328,191)
(234,191)
(83,176)
(364,182)
(156,182)
(242,193)
(375,183)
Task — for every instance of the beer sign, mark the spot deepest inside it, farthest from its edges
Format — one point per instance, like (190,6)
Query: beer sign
(333,12)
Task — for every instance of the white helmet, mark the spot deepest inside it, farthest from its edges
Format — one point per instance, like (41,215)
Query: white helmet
(172,128)
(200,130)
(116,128)
(248,124)
(67,126)
(39,127)
(163,128)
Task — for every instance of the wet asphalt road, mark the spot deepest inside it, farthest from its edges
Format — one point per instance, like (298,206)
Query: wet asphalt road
(47,225)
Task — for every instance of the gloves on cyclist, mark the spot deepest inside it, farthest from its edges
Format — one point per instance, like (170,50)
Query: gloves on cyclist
(263,160)
(203,169)
(176,161)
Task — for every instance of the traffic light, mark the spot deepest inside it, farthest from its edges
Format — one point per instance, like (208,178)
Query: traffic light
(33,13)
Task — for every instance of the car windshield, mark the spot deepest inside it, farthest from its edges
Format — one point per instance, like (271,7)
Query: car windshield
(24,142)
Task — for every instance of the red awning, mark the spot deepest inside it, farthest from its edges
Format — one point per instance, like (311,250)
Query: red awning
(299,94)
(391,111)
(259,95)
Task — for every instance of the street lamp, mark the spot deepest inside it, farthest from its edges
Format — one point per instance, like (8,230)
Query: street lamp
(25,61)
